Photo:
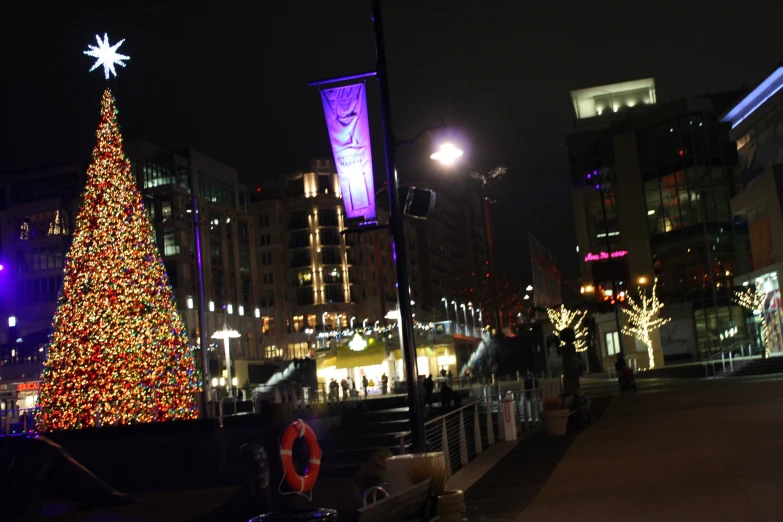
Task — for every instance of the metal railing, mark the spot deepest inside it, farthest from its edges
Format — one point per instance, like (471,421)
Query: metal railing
(466,432)
(17,422)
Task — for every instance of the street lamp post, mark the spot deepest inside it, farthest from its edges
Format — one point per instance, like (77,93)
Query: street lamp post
(494,174)
(399,250)
(456,317)
(465,316)
(226,334)
(202,313)
(446,306)
(472,315)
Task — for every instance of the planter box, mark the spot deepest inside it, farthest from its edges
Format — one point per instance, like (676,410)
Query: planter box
(555,421)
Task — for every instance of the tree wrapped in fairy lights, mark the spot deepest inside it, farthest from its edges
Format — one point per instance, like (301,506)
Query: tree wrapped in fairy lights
(562,318)
(643,319)
(119,351)
(755,300)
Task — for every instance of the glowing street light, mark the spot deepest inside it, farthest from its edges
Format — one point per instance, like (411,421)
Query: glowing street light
(446,306)
(447,154)
(226,334)
(529,288)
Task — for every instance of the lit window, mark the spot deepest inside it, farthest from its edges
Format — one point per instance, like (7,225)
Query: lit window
(612,344)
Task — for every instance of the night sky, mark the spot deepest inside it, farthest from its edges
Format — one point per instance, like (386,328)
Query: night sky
(231,79)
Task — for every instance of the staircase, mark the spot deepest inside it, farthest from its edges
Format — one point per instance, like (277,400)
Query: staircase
(760,367)
(363,432)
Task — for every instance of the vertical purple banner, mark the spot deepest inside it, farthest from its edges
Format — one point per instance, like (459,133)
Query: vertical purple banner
(345,109)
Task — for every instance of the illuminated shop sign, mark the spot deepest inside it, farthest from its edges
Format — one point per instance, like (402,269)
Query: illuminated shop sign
(603,255)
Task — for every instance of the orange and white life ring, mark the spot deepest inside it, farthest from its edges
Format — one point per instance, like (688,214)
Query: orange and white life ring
(298,430)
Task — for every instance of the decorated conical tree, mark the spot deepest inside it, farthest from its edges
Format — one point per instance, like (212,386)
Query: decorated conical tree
(119,352)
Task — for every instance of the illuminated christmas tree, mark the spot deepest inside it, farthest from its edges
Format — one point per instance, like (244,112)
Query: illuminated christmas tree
(119,351)
(643,320)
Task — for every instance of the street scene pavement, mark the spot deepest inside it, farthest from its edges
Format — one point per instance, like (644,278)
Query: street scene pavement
(675,450)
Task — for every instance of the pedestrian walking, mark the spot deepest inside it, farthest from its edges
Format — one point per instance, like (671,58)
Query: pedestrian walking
(365,385)
(384,383)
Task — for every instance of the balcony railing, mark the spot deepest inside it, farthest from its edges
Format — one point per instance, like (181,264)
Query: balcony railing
(460,329)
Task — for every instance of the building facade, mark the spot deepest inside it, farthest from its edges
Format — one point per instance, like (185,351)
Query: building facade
(652,185)
(325,286)
(756,123)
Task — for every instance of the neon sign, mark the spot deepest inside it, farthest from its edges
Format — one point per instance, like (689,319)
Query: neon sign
(603,255)
(28,386)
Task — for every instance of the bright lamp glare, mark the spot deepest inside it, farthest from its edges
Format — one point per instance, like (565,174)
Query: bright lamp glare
(447,154)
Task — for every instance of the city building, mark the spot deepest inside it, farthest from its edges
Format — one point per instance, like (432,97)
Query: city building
(37,211)
(756,123)
(652,184)
(324,286)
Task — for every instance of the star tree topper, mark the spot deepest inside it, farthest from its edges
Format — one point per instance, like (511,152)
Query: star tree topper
(106,55)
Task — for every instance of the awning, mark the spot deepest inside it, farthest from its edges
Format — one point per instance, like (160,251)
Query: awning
(326,362)
(370,356)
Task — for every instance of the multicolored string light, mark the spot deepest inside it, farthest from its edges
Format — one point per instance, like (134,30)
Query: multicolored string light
(119,352)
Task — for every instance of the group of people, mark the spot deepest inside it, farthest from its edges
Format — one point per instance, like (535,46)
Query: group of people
(447,395)
(348,386)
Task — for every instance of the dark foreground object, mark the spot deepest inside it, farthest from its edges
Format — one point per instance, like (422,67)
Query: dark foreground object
(37,466)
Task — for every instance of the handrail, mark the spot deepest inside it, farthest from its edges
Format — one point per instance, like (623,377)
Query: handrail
(497,396)
(440,418)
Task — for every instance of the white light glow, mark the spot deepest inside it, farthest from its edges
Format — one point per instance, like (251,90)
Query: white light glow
(447,154)
(106,55)
(357,344)
(651,212)
(190,303)
(12,321)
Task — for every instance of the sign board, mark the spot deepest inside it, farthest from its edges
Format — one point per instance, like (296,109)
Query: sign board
(345,109)
(28,386)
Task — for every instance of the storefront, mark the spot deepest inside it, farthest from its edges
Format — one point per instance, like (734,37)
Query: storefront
(357,360)
(766,320)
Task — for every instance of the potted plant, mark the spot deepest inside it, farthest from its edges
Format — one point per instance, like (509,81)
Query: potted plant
(448,502)
(555,416)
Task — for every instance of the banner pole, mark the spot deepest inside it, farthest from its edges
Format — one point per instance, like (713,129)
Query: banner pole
(400,252)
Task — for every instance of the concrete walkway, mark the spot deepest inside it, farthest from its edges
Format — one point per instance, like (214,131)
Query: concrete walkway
(696,450)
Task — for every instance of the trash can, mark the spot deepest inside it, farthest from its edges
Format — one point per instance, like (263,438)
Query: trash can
(304,515)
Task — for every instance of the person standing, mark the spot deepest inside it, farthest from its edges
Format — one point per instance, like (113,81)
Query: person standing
(429,386)
(365,385)
(344,386)
(384,383)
